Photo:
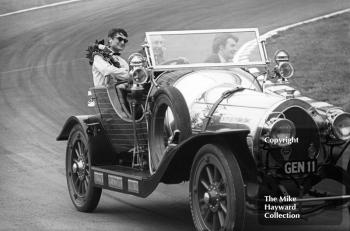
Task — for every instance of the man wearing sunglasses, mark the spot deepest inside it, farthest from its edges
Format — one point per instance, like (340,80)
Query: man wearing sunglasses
(114,66)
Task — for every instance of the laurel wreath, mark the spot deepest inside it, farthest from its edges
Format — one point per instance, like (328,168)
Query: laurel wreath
(104,53)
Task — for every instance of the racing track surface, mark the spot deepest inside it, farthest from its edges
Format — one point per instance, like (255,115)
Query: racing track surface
(44,78)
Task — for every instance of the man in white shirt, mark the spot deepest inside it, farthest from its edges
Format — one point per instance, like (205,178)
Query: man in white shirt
(119,68)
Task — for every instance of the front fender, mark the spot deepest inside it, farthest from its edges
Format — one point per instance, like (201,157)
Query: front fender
(101,150)
(179,168)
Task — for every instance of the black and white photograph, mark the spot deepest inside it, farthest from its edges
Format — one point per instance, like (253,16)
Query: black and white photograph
(150,115)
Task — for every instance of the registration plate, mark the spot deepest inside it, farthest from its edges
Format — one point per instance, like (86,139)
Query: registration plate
(297,167)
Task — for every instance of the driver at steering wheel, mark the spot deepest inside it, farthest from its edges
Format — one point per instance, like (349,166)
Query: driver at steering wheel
(113,65)
(158,48)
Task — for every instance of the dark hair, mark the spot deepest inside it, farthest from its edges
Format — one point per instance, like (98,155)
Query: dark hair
(221,39)
(115,31)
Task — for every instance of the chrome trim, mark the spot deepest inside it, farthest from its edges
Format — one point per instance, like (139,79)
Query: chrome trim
(263,42)
(138,63)
(271,123)
(98,178)
(206,65)
(133,71)
(148,57)
(203,31)
(279,67)
(332,119)
(153,81)
(280,60)
(115,181)
(279,107)
(133,186)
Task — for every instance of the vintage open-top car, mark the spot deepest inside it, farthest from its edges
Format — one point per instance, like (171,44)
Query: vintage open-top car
(208,107)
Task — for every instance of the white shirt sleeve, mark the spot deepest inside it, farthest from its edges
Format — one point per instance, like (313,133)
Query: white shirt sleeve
(123,65)
(107,69)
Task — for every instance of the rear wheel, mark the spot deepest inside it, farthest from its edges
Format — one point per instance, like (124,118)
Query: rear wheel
(217,197)
(84,196)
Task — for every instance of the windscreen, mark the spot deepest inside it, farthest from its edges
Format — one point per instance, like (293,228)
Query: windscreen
(234,47)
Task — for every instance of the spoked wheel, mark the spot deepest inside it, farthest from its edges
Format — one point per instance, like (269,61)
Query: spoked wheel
(84,196)
(216,190)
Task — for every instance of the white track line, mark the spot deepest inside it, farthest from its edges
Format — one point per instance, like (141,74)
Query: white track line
(40,66)
(275,31)
(39,7)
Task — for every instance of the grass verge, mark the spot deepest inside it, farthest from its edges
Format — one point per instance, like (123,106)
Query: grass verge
(320,54)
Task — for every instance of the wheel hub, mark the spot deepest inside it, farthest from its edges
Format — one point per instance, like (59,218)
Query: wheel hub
(212,198)
(75,168)
(81,165)
(79,168)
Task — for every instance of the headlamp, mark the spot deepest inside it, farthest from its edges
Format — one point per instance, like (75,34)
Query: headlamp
(279,131)
(139,75)
(283,67)
(340,125)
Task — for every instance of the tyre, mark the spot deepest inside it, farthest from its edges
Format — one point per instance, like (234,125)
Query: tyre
(84,196)
(348,188)
(217,198)
(169,113)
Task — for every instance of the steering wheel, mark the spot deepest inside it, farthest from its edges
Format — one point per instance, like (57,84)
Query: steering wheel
(176,61)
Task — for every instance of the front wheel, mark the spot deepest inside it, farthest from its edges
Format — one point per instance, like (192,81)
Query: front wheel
(84,196)
(217,197)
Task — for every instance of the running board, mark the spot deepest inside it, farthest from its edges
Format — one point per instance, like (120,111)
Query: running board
(123,179)
(130,180)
